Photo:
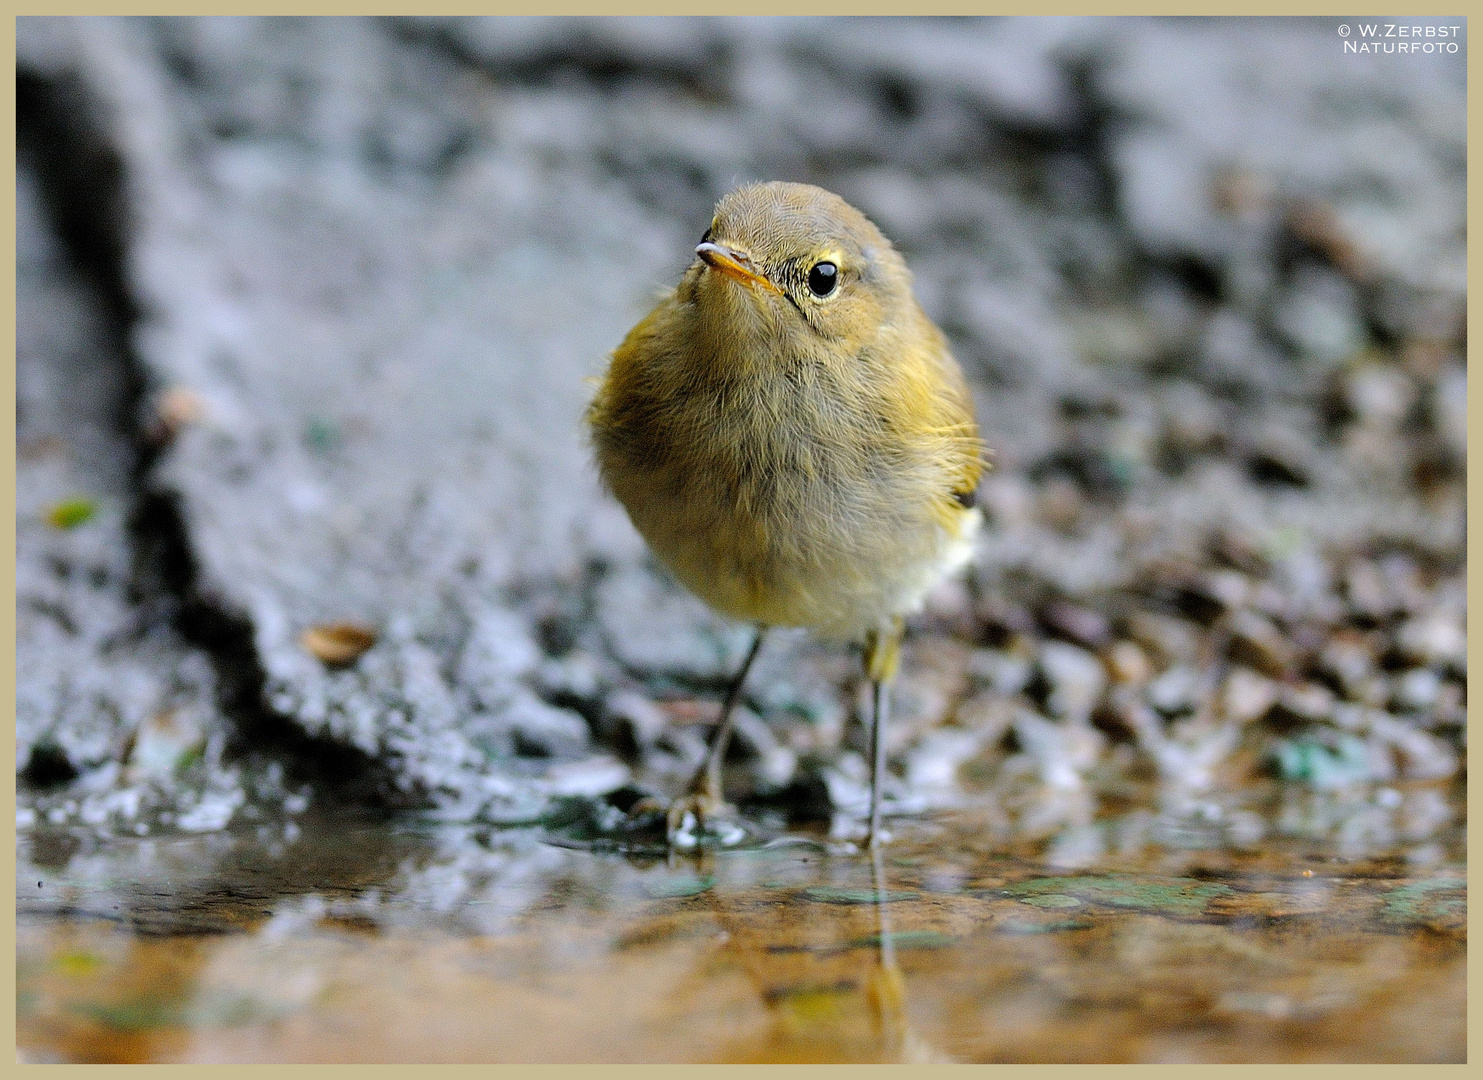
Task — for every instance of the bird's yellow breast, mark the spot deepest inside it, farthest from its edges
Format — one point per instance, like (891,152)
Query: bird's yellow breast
(785,475)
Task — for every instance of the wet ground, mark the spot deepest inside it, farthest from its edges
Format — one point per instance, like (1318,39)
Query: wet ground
(343,938)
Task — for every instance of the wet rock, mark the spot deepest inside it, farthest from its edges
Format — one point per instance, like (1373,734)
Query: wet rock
(369,411)
(653,626)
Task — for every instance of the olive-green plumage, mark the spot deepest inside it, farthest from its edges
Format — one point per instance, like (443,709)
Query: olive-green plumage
(795,460)
(796,445)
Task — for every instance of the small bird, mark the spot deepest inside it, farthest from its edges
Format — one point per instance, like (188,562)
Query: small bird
(790,434)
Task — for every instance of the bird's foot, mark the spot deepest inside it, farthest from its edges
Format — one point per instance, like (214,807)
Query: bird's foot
(698,816)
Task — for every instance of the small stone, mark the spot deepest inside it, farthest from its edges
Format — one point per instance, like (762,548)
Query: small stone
(1171,640)
(1082,625)
(1076,678)
(1007,672)
(1449,408)
(773,764)
(1434,638)
(1308,701)
(589,777)
(1324,767)
(1420,756)
(1418,689)
(635,719)
(1127,663)
(1061,753)
(1060,505)
(1256,642)
(1349,657)
(1247,696)
(338,644)
(164,743)
(935,760)
(987,712)
(1229,588)
(177,408)
(1317,224)
(1379,395)
(1176,690)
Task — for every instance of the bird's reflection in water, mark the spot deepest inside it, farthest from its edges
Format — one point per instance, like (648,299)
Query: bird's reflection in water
(826,973)
(886,988)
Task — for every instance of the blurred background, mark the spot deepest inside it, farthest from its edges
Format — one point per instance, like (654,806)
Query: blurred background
(308,312)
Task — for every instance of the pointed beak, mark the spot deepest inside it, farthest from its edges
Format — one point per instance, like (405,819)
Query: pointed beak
(732,263)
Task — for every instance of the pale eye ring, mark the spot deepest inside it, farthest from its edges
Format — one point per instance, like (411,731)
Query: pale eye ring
(822,278)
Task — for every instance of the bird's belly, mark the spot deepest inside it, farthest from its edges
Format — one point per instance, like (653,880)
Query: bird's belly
(801,549)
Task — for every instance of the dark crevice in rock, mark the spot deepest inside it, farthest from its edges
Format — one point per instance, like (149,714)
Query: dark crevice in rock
(81,178)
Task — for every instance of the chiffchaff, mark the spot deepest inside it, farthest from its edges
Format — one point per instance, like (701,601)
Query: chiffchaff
(790,434)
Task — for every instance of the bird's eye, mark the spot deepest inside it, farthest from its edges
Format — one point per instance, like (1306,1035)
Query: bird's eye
(706,239)
(822,278)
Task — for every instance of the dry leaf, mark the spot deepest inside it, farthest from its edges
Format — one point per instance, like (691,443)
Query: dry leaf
(338,644)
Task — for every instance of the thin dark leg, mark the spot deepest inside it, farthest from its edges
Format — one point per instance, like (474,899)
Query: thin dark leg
(881,698)
(708,779)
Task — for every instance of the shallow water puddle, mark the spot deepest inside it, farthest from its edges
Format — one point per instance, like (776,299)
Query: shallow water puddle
(361,941)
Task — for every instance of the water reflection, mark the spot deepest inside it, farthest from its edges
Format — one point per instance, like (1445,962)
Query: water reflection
(393,940)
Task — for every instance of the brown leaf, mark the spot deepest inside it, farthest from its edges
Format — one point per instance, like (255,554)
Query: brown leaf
(338,644)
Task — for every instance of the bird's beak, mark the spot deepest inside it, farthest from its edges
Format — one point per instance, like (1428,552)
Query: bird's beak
(732,263)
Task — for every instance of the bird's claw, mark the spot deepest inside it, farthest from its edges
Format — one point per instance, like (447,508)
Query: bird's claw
(692,816)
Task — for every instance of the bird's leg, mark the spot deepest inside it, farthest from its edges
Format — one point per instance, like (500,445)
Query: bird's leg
(882,657)
(704,795)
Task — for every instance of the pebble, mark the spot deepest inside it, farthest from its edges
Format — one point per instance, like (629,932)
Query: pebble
(1418,689)
(1434,638)
(338,644)
(1081,624)
(1007,672)
(1379,394)
(1308,701)
(1076,678)
(1175,691)
(1422,756)
(1171,640)
(1247,696)
(1061,752)
(636,719)
(1127,663)
(1257,642)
